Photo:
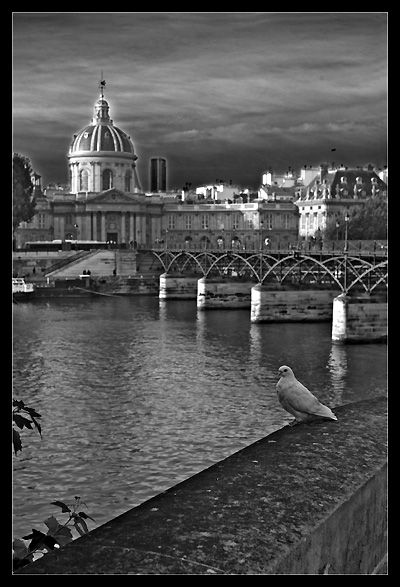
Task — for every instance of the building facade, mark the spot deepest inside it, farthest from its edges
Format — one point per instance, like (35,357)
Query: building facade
(105,202)
(334,192)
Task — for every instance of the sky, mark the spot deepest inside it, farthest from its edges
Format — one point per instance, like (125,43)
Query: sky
(221,96)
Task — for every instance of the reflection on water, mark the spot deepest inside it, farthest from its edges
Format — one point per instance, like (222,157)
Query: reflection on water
(137,394)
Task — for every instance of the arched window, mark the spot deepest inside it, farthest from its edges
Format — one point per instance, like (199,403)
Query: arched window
(107,179)
(84,181)
(128,180)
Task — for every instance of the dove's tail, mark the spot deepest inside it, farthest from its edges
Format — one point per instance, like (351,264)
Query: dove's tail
(325,412)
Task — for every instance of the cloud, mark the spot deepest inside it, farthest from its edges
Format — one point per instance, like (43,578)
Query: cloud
(206,80)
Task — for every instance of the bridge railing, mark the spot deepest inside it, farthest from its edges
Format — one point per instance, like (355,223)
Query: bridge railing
(377,247)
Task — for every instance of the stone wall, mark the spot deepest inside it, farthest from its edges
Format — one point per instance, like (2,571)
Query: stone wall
(307,499)
(291,306)
(175,286)
(222,292)
(359,318)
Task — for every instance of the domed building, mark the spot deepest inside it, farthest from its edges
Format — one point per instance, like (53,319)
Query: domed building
(102,156)
(105,201)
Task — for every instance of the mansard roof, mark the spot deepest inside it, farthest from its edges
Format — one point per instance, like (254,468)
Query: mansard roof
(345,183)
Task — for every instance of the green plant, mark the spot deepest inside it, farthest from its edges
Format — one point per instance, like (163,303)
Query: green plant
(57,534)
(21,421)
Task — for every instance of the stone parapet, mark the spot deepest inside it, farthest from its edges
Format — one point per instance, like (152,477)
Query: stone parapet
(307,499)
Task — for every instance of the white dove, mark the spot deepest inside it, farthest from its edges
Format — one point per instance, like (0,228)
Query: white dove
(298,400)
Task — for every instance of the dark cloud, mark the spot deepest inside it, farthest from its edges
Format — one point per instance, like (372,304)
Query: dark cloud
(232,91)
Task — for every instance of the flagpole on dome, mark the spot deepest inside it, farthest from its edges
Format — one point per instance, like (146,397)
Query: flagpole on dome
(102,85)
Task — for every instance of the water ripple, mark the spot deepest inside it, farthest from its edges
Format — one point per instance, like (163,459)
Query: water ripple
(137,395)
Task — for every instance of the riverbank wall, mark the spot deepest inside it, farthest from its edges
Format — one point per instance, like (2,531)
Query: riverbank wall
(307,499)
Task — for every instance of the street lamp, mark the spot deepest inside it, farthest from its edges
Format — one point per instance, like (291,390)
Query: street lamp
(346,219)
(76,236)
(261,231)
(337,230)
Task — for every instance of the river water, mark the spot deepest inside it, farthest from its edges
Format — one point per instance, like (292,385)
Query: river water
(138,394)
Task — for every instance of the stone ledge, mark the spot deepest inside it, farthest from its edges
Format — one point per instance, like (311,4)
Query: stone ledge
(308,499)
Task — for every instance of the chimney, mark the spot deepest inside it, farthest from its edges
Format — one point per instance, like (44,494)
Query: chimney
(324,170)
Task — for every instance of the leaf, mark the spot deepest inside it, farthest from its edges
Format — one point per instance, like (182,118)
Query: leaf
(16,441)
(38,426)
(18,404)
(85,516)
(60,533)
(21,421)
(63,506)
(63,536)
(20,549)
(32,412)
(37,539)
(53,525)
(81,532)
(81,521)
(49,542)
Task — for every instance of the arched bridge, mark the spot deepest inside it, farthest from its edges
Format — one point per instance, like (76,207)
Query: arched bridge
(365,272)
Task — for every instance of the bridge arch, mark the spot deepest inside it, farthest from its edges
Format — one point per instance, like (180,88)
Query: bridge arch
(343,271)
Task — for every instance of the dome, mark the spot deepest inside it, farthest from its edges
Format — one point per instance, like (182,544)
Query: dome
(101,137)
(101,134)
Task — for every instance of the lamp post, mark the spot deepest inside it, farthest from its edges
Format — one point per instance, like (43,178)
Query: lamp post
(337,230)
(346,220)
(76,236)
(166,238)
(261,232)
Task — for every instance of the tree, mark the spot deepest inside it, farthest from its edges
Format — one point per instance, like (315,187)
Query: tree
(24,205)
(367,222)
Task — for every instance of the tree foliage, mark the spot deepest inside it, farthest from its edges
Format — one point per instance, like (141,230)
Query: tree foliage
(24,206)
(366,222)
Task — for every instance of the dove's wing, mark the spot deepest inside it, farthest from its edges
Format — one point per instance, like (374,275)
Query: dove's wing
(300,399)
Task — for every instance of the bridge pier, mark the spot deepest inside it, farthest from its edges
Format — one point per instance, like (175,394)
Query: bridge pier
(359,318)
(223,292)
(177,286)
(280,304)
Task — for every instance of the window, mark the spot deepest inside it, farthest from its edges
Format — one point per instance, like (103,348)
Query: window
(235,221)
(128,180)
(286,220)
(107,179)
(41,220)
(188,221)
(84,181)
(171,222)
(268,221)
(205,221)
(303,221)
(249,222)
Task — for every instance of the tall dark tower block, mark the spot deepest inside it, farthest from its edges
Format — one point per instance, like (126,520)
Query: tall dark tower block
(158,175)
